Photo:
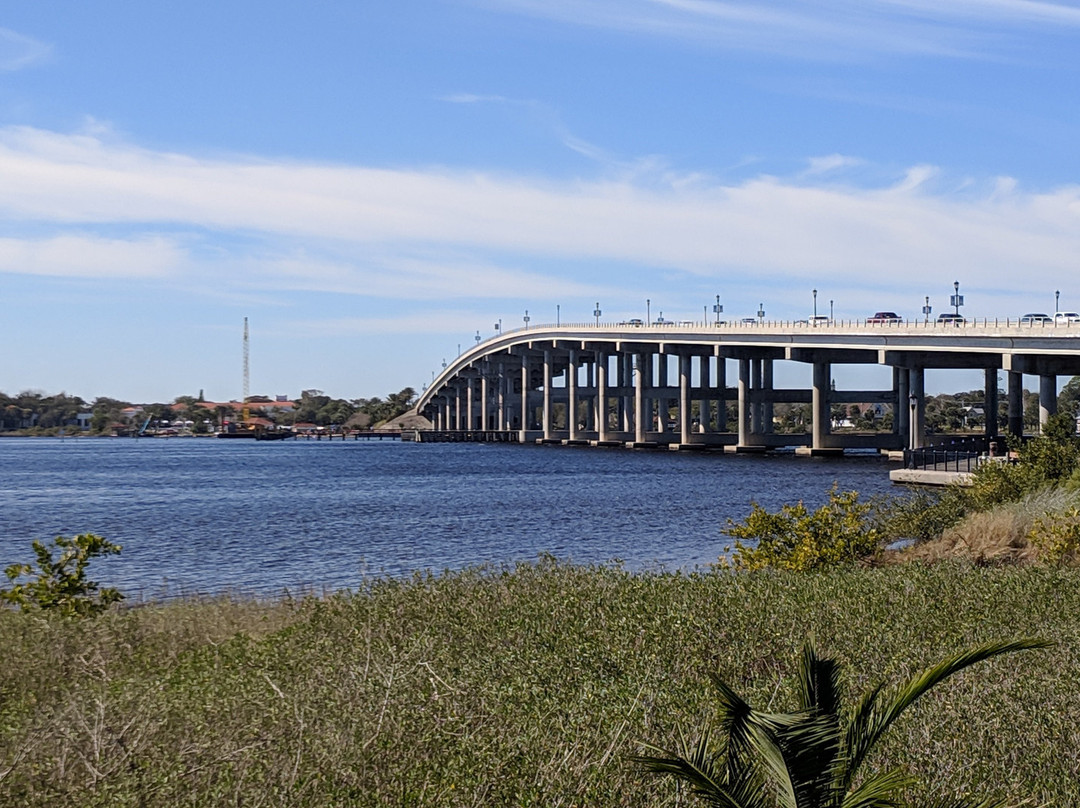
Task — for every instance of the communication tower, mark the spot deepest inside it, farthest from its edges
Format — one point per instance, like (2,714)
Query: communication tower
(247,373)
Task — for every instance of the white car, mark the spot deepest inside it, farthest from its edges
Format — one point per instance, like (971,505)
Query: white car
(820,319)
(1066,317)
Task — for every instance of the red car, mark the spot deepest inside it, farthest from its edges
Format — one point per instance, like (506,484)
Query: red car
(885,317)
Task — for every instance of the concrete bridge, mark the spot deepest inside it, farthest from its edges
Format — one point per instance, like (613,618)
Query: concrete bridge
(617,383)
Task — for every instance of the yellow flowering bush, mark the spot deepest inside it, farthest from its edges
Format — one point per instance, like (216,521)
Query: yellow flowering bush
(794,538)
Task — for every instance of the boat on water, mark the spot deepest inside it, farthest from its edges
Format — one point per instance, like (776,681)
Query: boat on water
(273,434)
(255,432)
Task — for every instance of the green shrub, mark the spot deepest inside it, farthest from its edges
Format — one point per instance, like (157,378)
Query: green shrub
(61,586)
(839,532)
(1057,536)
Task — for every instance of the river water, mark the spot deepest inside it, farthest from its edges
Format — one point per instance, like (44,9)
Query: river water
(201,515)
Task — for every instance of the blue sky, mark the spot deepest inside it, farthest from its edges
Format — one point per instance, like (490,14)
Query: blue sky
(371,184)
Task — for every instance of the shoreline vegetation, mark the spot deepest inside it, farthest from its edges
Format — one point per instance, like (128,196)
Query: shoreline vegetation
(539,684)
(526,686)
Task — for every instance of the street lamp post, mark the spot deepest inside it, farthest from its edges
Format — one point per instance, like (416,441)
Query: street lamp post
(1057,298)
(477,337)
(830,312)
(815,303)
(761,312)
(957,299)
(648,316)
(926,310)
(558,315)
(913,403)
(596,312)
(718,309)
(526,318)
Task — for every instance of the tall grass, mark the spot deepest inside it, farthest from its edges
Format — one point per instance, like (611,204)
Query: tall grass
(525,686)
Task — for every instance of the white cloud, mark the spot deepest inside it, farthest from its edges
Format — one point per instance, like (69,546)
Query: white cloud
(830,163)
(18,51)
(77,256)
(425,234)
(828,29)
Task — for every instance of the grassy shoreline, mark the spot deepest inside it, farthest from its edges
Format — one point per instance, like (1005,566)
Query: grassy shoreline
(519,687)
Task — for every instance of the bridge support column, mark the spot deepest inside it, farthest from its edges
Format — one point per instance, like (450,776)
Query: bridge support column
(1016,403)
(662,402)
(704,403)
(500,398)
(572,395)
(470,409)
(546,418)
(756,402)
(625,373)
(744,402)
(990,402)
(484,395)
(721,400)
(591,377)
(600,405)
(917,388)
(766,391)
(1047,398)
(684,399)
(525,420)
(901,410)
(819,405)
(640,400)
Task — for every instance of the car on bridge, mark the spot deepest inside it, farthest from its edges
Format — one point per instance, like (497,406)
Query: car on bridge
(821,319)
(635,322)
(1036,319)
(1066,317)
(884,317)
(950,318)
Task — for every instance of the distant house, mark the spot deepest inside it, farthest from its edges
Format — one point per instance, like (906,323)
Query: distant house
(83,420)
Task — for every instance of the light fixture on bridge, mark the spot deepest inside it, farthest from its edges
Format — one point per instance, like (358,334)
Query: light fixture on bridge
(477,337)
(926,309)
(526,318)
(1057,299)
(761,312)
(596,312)
(648,315)
(498,327)
(815,303)
(558,314)
(913,404)
(830,312)
(717,309)
(957,300)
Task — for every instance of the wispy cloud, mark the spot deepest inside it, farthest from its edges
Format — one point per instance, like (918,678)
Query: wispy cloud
(18,51)
(827,29)
(77,256)
(830,163)
(115,210)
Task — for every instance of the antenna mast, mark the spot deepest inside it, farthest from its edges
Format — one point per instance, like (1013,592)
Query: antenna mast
(247,373)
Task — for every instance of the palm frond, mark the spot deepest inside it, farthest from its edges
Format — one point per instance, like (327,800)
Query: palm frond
(696,766)
(872,719)
(990,802)
(882,791)
(819,681)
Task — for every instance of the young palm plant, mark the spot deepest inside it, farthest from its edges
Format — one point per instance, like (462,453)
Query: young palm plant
(810,758)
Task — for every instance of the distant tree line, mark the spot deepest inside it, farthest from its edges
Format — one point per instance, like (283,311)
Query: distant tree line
(34,413)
